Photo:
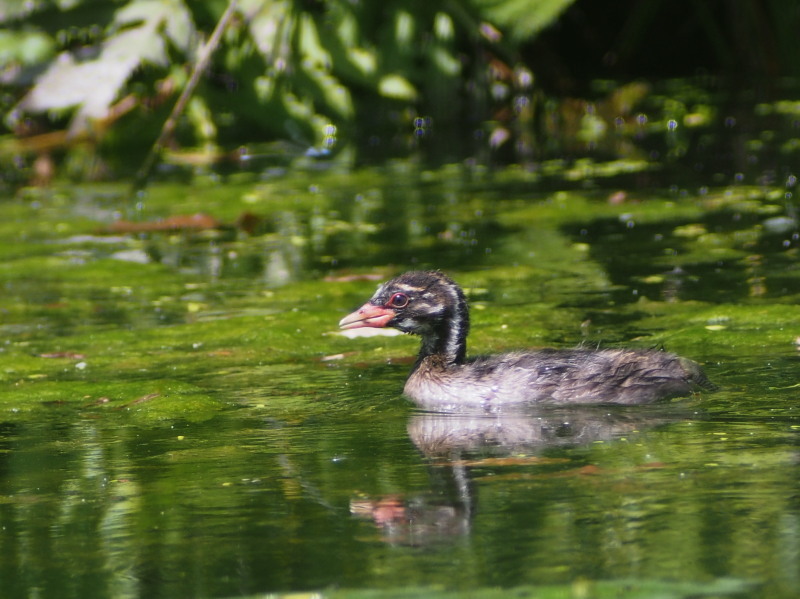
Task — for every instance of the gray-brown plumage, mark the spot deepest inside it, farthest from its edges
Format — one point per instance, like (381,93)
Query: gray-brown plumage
(431,305)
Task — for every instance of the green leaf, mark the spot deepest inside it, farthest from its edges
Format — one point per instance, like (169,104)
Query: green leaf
(93,85)
(151,16)
(443,26)
(523,18)
(25,47)
(446,63)
(269,26)
(332,92)
(364,60)
(397,87)
(311,49)
(15,9)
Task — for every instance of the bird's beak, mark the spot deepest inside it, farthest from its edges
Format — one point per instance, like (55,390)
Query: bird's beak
(367,315)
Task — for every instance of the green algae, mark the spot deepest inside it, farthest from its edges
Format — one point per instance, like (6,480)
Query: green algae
(141,402)
(76,295)
(600,589)
(184,401)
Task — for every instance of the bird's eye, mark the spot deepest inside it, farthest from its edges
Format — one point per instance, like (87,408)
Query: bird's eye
(398,300)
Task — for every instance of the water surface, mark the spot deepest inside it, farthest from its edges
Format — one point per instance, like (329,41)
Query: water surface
(180,417)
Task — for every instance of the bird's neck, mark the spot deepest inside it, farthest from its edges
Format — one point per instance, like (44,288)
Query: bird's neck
(447,337)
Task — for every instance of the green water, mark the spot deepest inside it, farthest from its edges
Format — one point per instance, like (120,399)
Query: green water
(180,418)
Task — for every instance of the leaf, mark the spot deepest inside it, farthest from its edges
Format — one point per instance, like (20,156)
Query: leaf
(311,49)
(15,9)
(397,87)
(443,27)
(93,85)
(152,16)
(332,93)
(269,24)
(364,60)
(523,18)
(26,47)
(445,62)
(135,46)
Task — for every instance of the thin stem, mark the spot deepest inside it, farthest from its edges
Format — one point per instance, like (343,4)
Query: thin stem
(180,105)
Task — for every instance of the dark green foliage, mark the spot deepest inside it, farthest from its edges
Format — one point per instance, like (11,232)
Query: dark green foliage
(318,74)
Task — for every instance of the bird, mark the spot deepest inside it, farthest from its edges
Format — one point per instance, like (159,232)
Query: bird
(431,305)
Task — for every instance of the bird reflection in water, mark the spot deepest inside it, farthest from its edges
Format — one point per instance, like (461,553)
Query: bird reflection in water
(454,444)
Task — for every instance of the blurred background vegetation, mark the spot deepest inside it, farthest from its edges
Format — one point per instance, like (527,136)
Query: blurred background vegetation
(86,85)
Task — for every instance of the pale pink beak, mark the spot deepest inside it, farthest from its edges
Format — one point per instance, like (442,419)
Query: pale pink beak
(367,315)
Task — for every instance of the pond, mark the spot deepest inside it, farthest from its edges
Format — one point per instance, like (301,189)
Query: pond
(180,416)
